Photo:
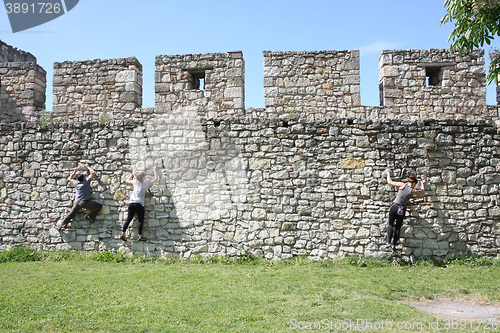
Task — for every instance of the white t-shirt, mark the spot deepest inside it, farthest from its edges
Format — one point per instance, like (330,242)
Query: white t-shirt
(139,192)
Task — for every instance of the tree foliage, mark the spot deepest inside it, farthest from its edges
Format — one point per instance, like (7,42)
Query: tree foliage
(477,22)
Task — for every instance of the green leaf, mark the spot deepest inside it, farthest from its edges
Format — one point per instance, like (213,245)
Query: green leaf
(468,34)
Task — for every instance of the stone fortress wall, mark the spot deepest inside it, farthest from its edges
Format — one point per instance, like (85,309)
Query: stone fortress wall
(301,176)
(89,90)
(22,86)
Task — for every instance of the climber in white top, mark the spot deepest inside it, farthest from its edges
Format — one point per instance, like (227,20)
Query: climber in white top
(136,202)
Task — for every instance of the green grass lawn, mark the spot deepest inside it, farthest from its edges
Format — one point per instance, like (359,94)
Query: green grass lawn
(82,294)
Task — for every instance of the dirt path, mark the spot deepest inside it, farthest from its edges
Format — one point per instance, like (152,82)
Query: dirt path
(460,310)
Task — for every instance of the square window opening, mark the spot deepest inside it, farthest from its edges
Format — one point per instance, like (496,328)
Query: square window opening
(434,76)
(196,80)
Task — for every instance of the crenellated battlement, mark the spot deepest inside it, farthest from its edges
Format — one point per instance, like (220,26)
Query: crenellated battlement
(415,84)
(433,82)
(88,90)
(11,54)
(22,85)
(321,82)
(214,83)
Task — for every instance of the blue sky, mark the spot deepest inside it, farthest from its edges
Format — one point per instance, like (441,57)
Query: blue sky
(103,29)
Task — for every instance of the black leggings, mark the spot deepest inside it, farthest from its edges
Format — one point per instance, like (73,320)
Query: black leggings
(393,231)
(135,208)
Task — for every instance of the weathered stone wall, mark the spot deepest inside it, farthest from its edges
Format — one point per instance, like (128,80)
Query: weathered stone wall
(278,187)
(434,84)
(320,82)
(97,89)
(12,54)
(22,85)
(299,177)
(22,91)
(414,84)
(214,83)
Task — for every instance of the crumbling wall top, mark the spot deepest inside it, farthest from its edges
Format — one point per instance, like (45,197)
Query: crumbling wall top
(11,54)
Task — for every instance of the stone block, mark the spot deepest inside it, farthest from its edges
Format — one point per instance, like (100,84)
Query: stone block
(259,214)
(127,76)
(349,234)
(351,163)
(288,226)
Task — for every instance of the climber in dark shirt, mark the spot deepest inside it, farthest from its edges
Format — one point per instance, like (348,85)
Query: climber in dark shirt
(82,197)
